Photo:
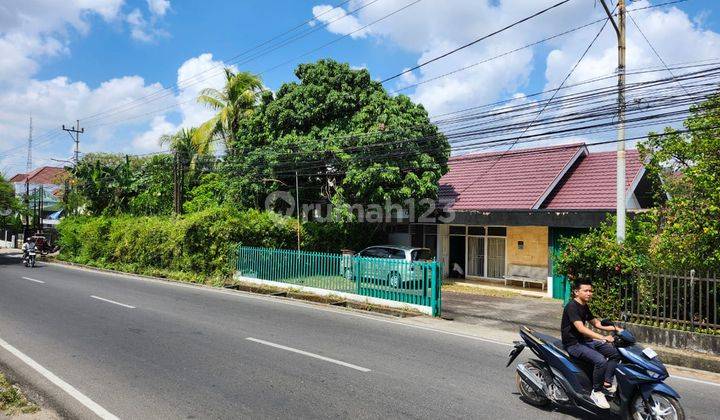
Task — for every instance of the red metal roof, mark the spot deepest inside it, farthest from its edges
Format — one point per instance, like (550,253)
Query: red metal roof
(590,184)
(42,175)
(18,178)
(515,180)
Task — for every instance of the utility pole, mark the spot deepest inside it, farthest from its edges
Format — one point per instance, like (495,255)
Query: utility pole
(77,130)
(26,226)
(41,205)
(619,27)
(297,204)
(28,166)
(177,201)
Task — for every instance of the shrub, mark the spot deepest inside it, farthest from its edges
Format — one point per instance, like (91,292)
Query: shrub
(201,243)
(198,243)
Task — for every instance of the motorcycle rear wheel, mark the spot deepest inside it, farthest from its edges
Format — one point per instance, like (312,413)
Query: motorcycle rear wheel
(665,408)
(527,392)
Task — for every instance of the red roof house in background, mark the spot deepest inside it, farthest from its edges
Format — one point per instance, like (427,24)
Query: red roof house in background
(506,210)
(541,180)
(47,175)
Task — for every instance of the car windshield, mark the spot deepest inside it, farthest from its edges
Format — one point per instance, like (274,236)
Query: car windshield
(422,255)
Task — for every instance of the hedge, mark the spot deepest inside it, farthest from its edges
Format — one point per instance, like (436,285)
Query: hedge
(201,243)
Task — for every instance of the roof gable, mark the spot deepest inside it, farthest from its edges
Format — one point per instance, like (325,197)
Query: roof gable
(591,183)
(42,175)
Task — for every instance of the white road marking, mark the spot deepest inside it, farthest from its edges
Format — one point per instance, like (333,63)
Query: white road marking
(36,281)
(111,301)
(305,353)
(695,380)
(303,305)
(310,306)
(71,390)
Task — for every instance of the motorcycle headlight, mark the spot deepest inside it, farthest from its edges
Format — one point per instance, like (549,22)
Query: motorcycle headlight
(652,374)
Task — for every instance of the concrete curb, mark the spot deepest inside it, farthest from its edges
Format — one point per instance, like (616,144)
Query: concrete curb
(426,310)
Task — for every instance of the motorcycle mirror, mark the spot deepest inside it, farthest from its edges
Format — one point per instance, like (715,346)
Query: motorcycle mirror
(606,323)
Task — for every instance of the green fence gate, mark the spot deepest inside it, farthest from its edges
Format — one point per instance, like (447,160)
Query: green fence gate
(413,282)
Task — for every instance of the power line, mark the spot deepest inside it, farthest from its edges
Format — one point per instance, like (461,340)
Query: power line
(545,105)
(653,49)
(471,43)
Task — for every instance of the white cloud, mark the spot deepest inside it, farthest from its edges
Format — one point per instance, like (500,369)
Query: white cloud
(149,141)
(193,76)
(429,29)
(30,30)
(158,7)
(338,21)
(147,30)
(60,101)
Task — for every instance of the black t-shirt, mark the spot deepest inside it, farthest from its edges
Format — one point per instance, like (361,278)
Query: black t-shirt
(574,312)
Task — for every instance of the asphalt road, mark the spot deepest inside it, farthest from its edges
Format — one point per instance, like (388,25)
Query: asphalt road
(146,349)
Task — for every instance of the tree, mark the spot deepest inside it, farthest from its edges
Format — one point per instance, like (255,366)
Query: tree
(8,202)
(112,184)
(106,183)
(235,102)
(348,139)
(689,163)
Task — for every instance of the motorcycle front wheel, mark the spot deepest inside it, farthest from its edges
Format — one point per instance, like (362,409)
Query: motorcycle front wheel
(663,407)
(527,392)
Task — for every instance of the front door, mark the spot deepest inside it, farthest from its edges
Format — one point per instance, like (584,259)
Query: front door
(457,254)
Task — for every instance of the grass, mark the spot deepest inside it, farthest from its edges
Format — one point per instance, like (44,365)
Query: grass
(459,288)
(12,400)
(338,283)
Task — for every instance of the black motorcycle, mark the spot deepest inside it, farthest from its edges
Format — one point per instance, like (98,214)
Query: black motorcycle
(556,377)
(29,258)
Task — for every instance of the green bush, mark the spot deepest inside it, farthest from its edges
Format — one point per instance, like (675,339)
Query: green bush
(201,242)
(611,266)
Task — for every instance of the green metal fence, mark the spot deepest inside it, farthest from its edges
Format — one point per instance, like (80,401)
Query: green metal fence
(416,282)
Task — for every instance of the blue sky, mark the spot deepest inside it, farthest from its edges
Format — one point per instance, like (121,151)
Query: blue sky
(92,56)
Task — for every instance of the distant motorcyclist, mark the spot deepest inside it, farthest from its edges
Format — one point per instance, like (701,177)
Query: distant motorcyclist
(28,246)
(583,343)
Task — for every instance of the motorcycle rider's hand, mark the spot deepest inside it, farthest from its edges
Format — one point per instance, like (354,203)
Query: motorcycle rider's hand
(609,338)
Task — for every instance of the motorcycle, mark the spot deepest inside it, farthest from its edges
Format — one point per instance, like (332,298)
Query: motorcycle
(29,259)
(556,377)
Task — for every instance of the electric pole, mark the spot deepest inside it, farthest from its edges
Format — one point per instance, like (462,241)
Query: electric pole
(28,166)
(77,130)
(297,204)
(177,181)
(619,27)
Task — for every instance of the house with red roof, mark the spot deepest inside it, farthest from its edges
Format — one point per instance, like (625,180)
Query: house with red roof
(43,186)
(508,209)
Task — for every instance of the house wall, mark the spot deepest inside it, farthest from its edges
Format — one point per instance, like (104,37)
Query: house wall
(535,246)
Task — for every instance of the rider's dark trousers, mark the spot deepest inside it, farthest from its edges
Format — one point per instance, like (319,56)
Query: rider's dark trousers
(604,356)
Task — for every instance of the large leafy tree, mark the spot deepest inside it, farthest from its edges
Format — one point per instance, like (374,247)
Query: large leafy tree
(348,139)
(234,102)
(689,162)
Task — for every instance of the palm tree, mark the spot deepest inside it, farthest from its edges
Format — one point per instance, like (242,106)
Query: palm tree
(187,145)
(235,101)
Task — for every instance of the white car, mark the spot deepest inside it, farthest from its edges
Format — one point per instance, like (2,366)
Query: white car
(389,265)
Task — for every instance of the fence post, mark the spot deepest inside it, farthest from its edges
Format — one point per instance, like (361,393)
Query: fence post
(434,296)
(692,300)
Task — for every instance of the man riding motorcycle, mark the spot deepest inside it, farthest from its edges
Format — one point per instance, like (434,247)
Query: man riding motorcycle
(27,246)
(583,343)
